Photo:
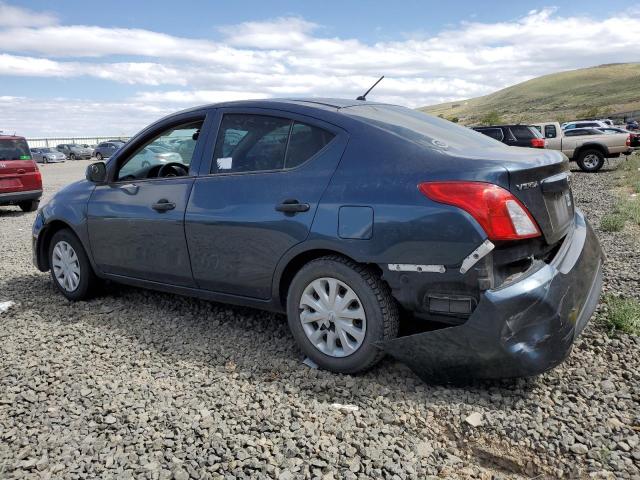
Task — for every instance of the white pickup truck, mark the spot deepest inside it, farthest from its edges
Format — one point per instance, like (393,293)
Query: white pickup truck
(586,146)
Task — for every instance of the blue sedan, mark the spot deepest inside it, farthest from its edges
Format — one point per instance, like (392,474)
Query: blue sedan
(352,218)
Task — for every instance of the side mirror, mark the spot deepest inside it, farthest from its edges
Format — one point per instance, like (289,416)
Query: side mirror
(96,172)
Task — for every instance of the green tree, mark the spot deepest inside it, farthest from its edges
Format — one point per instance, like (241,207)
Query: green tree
(491,118)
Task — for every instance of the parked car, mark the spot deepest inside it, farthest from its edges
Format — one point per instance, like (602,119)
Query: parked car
(47,155)
(514,135)
(73,151)
(634,137)
(583,124)
(588,147)
(106,149)
(632,125)
(20,179)
(91,148)
(343,214)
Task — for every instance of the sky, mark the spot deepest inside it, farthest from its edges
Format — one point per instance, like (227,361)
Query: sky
(75,67)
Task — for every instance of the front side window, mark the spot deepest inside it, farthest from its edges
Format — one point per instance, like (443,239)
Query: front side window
(167,155)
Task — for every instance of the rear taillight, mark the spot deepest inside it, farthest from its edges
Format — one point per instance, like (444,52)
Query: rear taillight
(537,143)
(497,211)
(628,140)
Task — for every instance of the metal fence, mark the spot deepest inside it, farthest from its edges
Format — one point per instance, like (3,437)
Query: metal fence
(53,142)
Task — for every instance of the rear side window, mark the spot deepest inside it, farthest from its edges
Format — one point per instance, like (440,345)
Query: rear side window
(14,149)
(493,133)
(550,131)
(304,143)
(522,132)
(258,143)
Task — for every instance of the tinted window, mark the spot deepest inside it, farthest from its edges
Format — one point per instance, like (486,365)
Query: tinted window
(420,128)
(522,132)
(492,132)
(14,149)
(550,131)
(304,143)
(576,132)
(251,143)
(175,145)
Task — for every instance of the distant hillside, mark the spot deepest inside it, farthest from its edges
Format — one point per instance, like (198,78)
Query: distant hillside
(588,92)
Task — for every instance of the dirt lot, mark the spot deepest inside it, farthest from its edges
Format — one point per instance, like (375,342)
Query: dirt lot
(137,384)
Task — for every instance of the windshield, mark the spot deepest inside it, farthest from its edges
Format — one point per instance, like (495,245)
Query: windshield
(418,127)
(14,149)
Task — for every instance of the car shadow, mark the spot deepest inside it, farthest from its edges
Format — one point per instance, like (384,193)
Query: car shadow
(254,344)
(4,212)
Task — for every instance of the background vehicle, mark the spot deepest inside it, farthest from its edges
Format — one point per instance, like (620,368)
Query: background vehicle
(74,151)
(514,135)
(106,149)
(583,124)
(20,180)
(339,212)
(47,155)
(586,146)
(91,148)
(634,137)
(632,125)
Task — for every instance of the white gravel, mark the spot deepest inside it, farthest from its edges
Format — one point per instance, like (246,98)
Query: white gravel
(137,384)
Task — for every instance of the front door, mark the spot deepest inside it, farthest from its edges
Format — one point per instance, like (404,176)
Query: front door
(258,198)
(136,222)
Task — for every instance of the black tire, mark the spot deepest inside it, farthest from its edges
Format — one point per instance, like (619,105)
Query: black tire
(99,156)
(381,310)
(72,156)
(44,160)
(29,205)
(88,279)
(590,160)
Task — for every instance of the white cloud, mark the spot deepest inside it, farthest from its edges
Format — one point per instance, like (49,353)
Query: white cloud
(290,56)
(11,16)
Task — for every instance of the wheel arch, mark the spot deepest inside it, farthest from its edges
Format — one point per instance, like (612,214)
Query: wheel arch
(44,240)
(591,146)
(295,260)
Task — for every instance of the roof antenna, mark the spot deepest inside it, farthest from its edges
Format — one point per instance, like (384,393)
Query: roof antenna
(364,97)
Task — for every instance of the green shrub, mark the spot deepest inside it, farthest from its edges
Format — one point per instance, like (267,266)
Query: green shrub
(612,222)
(623,314)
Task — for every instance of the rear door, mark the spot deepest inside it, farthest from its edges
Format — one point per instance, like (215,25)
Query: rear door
(18,172)
(257,196)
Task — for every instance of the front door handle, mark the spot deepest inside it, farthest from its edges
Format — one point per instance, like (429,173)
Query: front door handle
(163,205)
(291,205)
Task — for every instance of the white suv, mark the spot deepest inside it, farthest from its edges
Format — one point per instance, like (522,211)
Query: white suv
(583,124)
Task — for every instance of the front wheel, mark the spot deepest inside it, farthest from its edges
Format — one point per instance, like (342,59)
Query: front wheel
(338,311)
(72,156)
(590,160)
(70,268)
(99,157)
(45,160)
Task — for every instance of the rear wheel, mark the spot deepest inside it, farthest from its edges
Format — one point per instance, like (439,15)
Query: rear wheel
(72,156)
(29,205)
(70,268)
(338,311)
(45,160)
(590,160)
(99,156)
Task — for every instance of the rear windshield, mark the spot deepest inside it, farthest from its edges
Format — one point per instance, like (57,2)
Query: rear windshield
(420,128)
(14,149)
(523,132)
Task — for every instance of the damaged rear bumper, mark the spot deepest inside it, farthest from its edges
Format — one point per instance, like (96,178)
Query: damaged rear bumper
(520,330)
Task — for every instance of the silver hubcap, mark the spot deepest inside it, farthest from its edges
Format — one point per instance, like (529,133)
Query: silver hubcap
(332,317)
(66,266)
(591,160)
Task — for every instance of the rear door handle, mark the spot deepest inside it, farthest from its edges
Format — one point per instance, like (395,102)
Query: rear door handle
(291,205)
(163,205)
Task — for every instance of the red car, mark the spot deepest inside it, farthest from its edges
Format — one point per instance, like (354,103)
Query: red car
(20,179)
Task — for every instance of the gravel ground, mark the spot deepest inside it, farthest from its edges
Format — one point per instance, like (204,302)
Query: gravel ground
(137,384)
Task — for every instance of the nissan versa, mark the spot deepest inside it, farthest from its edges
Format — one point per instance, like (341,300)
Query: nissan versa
(347,215)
